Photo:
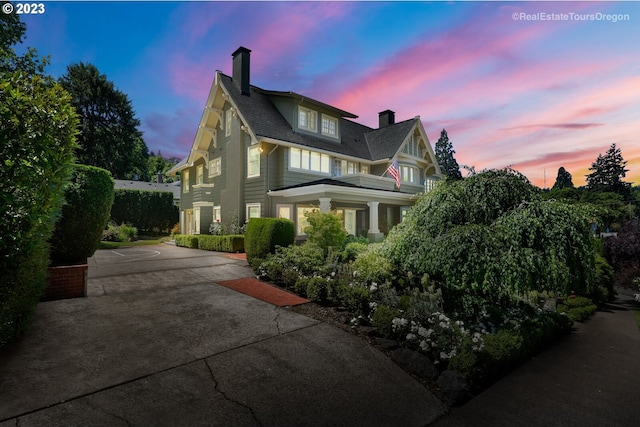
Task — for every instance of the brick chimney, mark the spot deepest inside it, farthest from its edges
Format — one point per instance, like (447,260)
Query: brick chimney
(386,118)
(240,74)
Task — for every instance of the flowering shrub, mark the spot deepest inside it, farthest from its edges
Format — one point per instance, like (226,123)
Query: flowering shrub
(217,229)
(441,337)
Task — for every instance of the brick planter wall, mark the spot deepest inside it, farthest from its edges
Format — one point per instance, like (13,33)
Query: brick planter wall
(66,282)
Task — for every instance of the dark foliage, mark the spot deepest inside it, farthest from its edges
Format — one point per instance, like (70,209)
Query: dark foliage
(88,200)
(148,211)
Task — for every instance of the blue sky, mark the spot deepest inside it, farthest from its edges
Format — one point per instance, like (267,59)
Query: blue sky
(510,89)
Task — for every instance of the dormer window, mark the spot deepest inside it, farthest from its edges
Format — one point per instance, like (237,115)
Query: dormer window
(329,126)
(307,119)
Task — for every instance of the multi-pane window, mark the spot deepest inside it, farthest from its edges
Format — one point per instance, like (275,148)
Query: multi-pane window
(215,167)
(329,126)
(253,161)
(309,160)
(253,210)
(185,181)
(200,174)
(307,119)
(227,125)
(409,174)
(217,214)
(344,167)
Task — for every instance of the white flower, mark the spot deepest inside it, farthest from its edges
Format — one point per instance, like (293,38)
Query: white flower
(411,337)
(373,287)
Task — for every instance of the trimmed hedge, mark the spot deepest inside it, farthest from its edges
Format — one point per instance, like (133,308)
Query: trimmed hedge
(88,197)
(145,210)
(229,243)
(264,234)
(186,241)
(37,142)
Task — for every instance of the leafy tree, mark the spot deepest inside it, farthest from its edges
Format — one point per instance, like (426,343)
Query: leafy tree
(608,171)
(444,153)
(37,134)
(158,163)
(563,180)
(12,31)
(109,136)
(325,230)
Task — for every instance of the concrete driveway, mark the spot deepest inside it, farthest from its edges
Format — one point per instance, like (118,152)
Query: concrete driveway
(158,342)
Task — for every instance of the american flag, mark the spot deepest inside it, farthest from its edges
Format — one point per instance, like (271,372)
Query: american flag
(394,172)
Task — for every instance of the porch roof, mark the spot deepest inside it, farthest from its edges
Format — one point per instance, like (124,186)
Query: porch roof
(341,191)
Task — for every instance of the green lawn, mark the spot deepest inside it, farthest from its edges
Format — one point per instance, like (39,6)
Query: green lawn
(113,245)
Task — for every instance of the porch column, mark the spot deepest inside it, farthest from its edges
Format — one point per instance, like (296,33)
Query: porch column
(374,232)
(325,204)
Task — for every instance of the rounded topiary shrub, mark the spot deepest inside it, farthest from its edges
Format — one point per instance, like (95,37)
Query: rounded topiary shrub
(263,235)
(88,200)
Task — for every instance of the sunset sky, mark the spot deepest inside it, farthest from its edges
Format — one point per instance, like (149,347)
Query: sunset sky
(510,89)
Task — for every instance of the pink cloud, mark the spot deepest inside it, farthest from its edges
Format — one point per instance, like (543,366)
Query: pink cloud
(172,135)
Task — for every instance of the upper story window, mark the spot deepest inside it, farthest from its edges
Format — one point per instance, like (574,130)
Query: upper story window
(309,160)
(227,125)
(344,167)
(200,174)
(185,181)
(409,174)
(215,167)
(412,147)
(253,161)
(307,119)
(329,126)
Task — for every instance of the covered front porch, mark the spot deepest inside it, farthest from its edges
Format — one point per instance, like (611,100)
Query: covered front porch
(365,211)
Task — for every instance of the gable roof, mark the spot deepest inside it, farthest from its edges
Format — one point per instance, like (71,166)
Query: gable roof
(357,140)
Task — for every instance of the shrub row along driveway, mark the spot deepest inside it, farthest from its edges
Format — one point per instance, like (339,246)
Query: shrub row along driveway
(157,342)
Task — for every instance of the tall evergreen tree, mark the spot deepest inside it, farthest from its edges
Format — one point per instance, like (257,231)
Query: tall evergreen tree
(608,171)
(109,136)
(563,180)
(444,154)
(12,32)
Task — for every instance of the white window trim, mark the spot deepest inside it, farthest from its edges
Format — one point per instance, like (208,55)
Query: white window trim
(212,171)
(196,219)
(227,125)
(185,181)
(312,119)
(253,205)
(334,120)
(200,174)
(249,174)
(308,169)
(219,209)
(289,206)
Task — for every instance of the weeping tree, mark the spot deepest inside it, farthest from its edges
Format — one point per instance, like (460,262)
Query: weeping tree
(490,237)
